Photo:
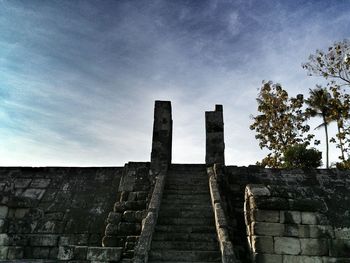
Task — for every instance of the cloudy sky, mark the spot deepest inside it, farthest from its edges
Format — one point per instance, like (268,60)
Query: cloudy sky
(78,79)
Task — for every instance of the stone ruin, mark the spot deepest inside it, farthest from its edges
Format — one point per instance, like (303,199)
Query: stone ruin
(158,211)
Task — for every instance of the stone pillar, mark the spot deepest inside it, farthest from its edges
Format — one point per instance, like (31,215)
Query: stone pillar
(162,136)
(215,146)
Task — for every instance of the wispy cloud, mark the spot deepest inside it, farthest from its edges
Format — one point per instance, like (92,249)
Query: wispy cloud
(79,79)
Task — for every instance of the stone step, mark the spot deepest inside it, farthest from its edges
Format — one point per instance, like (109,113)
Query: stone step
(184,202)
(183,255)
(180,245)
(184,196)
(184,237)
(187,185)
(182,176)
(185,228)
(156,261)
(184,213)
(187,167)
(186,221)
(187,191)
(185,206)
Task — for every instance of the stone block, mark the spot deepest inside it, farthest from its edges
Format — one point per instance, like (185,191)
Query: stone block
(262,244)
(4,239)
(291,230)
(53,253)
(301,259)
(44,240)
(266,258)
(111,229)
(33,193)
(15,252)
(65,252)
(307,205)
(135,205)
(290,217)
(50,227)
(40,252)
(21,212)
(3,252)
(267,229)
(342,233)
(314,247)
(266,216)
(3,211)
(3,225)
(40,183)
(129,228)
(316,231)
(80,252)
(113,241)
(22,182)
(339,248)
(104,253)
(268,203)
(287,245)
(257,190)
(119,207)
(220,217)
(313,218)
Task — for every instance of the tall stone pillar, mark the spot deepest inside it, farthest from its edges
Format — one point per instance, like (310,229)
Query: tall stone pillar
(162,136)
(214,127)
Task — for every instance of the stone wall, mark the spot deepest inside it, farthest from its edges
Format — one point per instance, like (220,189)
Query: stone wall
(309,209)
(44,208)
(285,224)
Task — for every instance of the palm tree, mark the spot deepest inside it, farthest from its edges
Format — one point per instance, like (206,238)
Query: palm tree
(319,105)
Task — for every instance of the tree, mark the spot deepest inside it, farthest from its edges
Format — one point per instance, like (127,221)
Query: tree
(339,113)
(319,105)
(298,156)
(333,64)
(280,124)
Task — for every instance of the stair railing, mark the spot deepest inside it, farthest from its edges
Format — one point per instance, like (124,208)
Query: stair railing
(226,247)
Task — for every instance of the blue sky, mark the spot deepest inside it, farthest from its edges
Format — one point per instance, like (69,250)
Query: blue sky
(78,79)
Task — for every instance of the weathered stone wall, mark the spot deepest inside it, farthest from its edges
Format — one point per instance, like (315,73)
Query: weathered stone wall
(309,209)
(44,208)
(285,224)
(214,128)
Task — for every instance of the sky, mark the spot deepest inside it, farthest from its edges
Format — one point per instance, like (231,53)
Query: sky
(78,79)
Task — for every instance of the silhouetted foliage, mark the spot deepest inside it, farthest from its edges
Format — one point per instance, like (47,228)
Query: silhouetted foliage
(281,122)
(298,156)
(334,64)
(319,105)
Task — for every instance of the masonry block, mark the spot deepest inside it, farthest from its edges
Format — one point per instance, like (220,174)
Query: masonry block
(104,253)
(65,252)
(3,252)
(266,258)
(301,259)
(15,252)
(3,211)
(44,240)
(267,229)
(266,216)
(290,217)
(314,247)
(342,233)
(262,244)
(287,245)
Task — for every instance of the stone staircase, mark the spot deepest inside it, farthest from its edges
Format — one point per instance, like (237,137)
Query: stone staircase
(185,231)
